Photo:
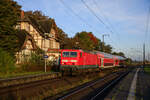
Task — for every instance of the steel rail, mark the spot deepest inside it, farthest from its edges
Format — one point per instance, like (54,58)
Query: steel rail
(108,86)
(84,87)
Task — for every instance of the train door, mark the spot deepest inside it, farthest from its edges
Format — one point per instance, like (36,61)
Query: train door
(84,60)
(102,62)
(99,63)
(114,63)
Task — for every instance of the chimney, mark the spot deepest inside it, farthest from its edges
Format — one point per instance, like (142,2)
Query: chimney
(22,14)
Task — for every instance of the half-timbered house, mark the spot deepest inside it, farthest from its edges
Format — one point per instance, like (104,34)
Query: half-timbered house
(37,38)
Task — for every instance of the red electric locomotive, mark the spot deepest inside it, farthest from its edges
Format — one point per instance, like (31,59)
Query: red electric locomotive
(79,59)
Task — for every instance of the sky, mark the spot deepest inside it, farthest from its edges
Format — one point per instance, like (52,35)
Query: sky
(124,20)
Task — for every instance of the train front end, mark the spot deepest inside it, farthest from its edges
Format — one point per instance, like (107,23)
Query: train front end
(69,59)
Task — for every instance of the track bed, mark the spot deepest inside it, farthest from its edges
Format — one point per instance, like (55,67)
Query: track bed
(50,88)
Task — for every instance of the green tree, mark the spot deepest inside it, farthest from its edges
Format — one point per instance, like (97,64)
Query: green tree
(107,48)
(9,14)
(37,15)
(119,54)
(83,41)
(70,44)
(128,61)
(7,63)
(63,39)
(95,41)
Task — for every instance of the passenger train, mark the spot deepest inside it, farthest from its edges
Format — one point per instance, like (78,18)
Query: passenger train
(80,59)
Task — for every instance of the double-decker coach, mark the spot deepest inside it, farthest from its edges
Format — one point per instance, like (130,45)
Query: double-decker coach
(107,60)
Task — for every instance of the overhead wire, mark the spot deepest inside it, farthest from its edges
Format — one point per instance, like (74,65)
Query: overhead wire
(98,18)
(80,18)
(106,18)
(70,14)
(66,28)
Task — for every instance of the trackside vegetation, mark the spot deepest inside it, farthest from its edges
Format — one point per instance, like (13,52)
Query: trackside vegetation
(147,69)
(34,65)
(7,63)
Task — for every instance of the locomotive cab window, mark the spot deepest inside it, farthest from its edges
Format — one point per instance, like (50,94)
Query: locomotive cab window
(69,54)
(65,54)
(73,54)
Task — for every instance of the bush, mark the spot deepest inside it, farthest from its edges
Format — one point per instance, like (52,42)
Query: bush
(36,59)
(34,63)
(7,62)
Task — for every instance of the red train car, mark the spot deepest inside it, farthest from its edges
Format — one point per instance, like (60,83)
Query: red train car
(79,59)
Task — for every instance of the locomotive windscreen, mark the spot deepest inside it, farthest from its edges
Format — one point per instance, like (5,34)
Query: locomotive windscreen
(65,54)
(69,54)
(73,54)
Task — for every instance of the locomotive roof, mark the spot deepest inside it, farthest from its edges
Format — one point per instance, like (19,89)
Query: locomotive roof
(120,57)
(107,55)
(71,50)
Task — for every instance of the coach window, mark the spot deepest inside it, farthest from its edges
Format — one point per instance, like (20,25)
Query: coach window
(73,54)
(65,54)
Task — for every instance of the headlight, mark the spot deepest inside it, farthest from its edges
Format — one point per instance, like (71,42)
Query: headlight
(64,60)
(73,60)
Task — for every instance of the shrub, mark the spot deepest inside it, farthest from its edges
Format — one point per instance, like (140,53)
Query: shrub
(33,63)
(36,62)
(7,62)
(36,59)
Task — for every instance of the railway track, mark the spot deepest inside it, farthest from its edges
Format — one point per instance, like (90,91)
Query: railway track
(103,91)
(27,79)
(45,85)
(21,87)
(34,88)
(28,90)
(94,89)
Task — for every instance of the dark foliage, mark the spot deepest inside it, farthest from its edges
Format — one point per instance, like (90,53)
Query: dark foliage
(119,54)
(87,41)
(42,22)
(107,48)
(7,63)
(9,14)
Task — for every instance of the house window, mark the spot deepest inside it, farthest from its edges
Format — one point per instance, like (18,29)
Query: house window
(28,27)
(51,44)
(18,26)
(54,45)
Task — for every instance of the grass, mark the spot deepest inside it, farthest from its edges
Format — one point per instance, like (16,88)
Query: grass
(11,75)
(147,69)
